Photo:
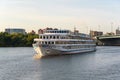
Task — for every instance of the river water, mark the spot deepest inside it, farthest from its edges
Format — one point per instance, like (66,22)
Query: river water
(19,64)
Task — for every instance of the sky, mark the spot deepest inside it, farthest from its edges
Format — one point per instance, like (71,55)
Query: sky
(85,15)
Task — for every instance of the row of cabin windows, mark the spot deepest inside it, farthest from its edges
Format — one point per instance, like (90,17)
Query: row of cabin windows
(74,42)
(61,42)
(61,37)
(78,37)
(45,42)
(52,37)
(75,47)
(57,31)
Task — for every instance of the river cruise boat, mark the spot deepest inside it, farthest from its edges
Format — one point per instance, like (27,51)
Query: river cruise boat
(58,42)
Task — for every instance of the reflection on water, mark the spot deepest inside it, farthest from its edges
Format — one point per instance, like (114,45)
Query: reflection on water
(19,64)
(37,56)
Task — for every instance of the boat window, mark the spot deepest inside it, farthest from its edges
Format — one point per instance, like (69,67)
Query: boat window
(42,42)
(57,37)
(46,37)
(67,31)
(48,42)
(50,37)
(40,37)
(34,42)
(52,42)
(53,37)
(63,37)
(43,37)
(58,31)
(64,31)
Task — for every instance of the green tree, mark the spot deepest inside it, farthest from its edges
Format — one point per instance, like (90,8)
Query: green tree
(16,40)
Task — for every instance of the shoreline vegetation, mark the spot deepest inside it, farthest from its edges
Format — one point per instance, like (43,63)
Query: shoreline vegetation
(16,39)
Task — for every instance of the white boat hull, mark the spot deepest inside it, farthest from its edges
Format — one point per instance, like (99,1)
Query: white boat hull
(44,51)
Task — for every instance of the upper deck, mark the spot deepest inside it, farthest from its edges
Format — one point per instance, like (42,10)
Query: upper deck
(50,33)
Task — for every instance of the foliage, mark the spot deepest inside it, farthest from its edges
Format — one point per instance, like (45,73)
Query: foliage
(16,40)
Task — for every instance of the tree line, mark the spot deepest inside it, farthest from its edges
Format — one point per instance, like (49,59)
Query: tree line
(16,39)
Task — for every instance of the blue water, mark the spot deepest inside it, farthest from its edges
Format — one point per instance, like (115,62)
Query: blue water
(19,64)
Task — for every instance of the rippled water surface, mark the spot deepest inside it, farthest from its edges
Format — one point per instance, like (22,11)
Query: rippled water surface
(19,64)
